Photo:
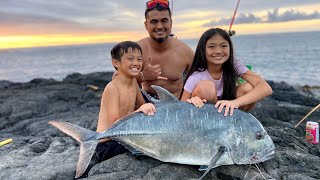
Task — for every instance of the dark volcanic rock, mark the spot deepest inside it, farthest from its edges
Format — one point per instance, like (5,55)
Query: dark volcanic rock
(39,151)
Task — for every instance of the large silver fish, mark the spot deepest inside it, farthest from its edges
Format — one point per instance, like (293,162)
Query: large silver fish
(181,133)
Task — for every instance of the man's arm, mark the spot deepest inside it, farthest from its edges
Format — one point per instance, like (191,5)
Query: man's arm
(189,59)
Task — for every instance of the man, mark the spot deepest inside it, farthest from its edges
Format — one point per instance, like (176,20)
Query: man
(165,58)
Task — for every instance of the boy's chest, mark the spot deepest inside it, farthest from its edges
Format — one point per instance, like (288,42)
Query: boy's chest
(127,101)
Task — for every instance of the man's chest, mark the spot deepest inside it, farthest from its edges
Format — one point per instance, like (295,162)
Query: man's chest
(171,63)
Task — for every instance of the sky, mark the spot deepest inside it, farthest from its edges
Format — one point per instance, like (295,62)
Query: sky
(29,23)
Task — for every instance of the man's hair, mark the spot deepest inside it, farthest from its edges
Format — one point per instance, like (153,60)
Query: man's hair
(119,49)
(159,8)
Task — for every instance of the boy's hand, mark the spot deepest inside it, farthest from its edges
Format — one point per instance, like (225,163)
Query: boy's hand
(196,101)
(147,109)
(230,105)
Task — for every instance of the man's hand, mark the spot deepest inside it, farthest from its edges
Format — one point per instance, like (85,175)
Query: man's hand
(152,72)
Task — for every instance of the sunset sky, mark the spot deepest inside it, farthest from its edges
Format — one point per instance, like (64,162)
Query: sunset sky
(28,23)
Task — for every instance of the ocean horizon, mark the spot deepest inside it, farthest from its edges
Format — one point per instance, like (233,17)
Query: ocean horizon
(288,57)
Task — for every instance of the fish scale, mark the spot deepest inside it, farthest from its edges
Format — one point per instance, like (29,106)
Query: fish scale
(181,133)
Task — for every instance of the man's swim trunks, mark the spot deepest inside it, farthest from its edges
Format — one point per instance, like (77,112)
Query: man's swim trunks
(150,94)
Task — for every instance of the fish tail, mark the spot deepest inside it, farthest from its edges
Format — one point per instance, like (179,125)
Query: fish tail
(87,139)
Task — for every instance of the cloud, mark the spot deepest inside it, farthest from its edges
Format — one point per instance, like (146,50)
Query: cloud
(271,17)
(82,13)
(96,16)
(290,15)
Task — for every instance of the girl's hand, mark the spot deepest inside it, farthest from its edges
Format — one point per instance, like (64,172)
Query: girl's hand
(196,101)
(230,105)
(147,109)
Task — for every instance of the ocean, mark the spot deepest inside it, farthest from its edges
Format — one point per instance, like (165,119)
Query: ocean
(290,57)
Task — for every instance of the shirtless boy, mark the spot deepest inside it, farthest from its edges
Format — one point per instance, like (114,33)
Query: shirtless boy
(121,96)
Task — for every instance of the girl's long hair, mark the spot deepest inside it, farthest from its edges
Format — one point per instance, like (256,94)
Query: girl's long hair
(200,63)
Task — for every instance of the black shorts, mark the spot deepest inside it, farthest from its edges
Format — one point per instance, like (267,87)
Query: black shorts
(104,151)
(152,95)
(109,149)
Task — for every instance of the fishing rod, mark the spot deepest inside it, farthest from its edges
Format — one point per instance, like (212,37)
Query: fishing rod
(171,7)
(234,15)
(171,34)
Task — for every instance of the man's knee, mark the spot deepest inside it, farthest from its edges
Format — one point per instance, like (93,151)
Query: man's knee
(205,90)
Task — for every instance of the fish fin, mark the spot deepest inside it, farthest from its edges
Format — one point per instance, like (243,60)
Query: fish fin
(76,132)
(150,98)
(137,153)
(131,149)
(87,139)
(87,150)
(164,95)
(214,160)
(203,168)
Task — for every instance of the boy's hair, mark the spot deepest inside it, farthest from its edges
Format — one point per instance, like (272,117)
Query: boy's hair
(159,8)
(119,49)
(200,63)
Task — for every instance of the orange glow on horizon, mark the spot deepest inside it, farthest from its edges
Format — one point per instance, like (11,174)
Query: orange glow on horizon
(189,30)
(261,28)
(25,41)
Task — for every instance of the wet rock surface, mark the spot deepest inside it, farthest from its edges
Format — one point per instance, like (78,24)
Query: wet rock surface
(40,151)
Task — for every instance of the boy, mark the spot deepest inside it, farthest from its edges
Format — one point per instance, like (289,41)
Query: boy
(121,96)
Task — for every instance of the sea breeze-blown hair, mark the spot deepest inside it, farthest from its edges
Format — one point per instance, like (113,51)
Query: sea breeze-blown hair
(200,63)
(119,49)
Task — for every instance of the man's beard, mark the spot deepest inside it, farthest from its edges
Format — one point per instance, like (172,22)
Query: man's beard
(160,40)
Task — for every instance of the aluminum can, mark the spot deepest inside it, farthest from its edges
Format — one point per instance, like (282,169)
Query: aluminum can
(312,132)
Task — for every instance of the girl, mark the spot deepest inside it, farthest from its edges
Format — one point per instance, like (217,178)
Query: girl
(213,75)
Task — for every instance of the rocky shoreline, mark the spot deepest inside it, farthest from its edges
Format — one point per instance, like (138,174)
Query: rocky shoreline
(40,151)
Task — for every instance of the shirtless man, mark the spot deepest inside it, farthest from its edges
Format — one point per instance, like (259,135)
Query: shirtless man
(165,58)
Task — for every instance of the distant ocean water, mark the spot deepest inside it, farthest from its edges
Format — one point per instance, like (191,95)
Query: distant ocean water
(290,57)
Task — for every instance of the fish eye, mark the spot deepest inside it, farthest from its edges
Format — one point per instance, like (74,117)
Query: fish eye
(259,136)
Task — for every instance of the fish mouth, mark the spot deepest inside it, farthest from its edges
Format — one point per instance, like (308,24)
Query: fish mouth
(256,159)
(268,156)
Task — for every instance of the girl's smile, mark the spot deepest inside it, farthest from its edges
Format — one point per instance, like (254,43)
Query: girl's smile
(217,50)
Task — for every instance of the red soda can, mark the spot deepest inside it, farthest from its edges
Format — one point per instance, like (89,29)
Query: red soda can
(312,132)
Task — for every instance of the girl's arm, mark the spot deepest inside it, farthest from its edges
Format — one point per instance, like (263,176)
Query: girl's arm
(261,89)
(196,101)
(185,96)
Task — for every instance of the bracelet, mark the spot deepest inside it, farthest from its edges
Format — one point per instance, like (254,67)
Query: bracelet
(141,75)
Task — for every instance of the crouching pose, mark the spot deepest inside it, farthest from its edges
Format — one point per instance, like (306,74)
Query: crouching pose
(214,73)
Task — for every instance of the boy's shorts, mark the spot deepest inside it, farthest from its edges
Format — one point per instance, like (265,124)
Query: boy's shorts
(109,149)
(104,151)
